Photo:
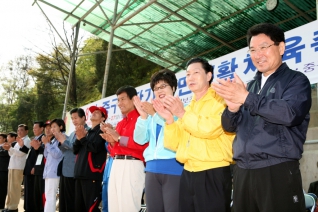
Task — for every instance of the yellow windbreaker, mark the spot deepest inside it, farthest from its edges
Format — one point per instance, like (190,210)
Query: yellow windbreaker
(198,137)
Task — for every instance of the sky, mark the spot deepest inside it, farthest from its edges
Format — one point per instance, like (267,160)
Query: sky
(24,28)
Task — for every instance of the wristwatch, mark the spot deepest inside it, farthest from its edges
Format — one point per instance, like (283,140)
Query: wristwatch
(118,138)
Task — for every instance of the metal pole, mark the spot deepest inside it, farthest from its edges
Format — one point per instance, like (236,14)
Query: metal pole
(88,12)
(117,37)
(72,70)
(109,52)
(134,13)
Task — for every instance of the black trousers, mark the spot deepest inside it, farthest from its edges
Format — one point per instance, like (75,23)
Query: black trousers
(39,196)
(29,203)
(3,188)
(67,194)
(162,192)
(206,191)
(87,195)
(275,188)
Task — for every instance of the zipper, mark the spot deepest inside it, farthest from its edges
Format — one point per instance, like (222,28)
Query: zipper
(250,128)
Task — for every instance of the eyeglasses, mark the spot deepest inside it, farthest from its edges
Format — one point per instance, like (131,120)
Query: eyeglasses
(163,86)
(261,49)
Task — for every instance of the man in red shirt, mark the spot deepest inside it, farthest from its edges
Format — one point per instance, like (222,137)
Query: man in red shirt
(127,177)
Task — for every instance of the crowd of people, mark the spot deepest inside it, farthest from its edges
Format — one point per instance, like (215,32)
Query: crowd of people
(179,156)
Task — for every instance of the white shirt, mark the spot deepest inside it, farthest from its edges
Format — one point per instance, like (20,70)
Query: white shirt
(18,158)
(263,81)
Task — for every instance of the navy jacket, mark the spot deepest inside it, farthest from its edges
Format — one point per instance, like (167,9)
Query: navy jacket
(271,126)
(90,155)
(4,160)
(32,156)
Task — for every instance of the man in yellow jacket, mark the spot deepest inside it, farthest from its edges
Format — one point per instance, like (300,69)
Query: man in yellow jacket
(200,142)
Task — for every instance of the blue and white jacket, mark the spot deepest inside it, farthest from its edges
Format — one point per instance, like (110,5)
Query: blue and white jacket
(53,156)
(158,158)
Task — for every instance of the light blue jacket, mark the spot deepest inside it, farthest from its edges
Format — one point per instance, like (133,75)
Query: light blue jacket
(53,156)
(145,131)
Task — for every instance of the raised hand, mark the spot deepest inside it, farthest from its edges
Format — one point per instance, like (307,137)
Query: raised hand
(107,137)
(6,146)
(138,106)
(104,126)
(113,133)
(20,141)
(60,137)
(35,144)
(45,139)
(233,92)
(148,107)
(174,105)
(162,111)
(80,132)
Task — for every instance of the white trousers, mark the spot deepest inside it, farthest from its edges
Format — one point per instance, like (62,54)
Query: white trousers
(51,185)
(125,186)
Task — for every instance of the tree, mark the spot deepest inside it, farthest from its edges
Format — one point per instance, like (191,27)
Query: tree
(5,118)
(24,111)
(15,80)
(59,58)
(15,77)
(125,69)
(37,92)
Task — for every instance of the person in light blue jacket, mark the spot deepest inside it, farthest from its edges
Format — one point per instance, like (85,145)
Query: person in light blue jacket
(53,156)
(162,170)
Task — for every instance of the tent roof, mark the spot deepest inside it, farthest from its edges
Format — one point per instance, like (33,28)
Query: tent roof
(170,32)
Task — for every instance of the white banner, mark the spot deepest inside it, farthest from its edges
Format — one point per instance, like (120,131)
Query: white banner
(301,54)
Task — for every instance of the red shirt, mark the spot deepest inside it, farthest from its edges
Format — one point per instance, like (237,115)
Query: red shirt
(126,128)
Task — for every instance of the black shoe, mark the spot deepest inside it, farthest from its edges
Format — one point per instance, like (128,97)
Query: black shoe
(16,210)
(5,210)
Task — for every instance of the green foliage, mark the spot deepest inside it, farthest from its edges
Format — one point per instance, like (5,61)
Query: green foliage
(6,117)
(44,100)
(24,111)
(125,69)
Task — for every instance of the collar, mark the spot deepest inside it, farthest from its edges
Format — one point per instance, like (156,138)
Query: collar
(207,96)
(258,75)
(131,114)
(96,128)
(37,137)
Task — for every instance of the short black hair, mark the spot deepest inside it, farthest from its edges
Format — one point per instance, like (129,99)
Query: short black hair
(13,134)
(128,89)
(205,65)
(79,111)
(166,76)
(59,123)
(40,123)
(3,135)
(275,33)
(24,126)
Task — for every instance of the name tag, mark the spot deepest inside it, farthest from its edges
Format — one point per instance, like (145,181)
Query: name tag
(39,159)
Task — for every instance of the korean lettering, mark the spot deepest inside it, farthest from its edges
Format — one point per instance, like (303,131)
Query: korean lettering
(315,44)
(250,65)
(182,86)
(226,69)
(293,49)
